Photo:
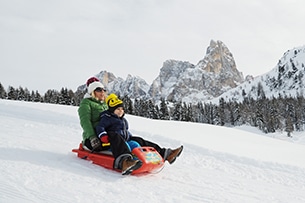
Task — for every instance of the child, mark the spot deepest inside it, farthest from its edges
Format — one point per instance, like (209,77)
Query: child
(113,128)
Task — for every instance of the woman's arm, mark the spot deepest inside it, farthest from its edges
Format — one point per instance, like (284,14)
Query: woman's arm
(84,113)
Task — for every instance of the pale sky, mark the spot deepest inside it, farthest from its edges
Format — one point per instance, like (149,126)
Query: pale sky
(50,44)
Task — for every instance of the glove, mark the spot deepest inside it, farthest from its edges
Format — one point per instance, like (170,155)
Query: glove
(95,143)
(105,139)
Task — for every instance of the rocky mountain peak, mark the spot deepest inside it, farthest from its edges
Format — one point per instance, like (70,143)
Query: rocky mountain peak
(213,75)
(106,77)
(285,79)
(181,80)
(219,60)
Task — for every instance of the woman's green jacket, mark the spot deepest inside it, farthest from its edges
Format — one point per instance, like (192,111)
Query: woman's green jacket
(89,115)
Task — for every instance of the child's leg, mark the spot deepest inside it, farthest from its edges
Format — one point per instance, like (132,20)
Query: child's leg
(133,144)
(146,143)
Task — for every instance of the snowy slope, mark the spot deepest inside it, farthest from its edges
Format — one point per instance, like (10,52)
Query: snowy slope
(218,164)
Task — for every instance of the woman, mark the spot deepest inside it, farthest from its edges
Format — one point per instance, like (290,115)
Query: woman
(89,112)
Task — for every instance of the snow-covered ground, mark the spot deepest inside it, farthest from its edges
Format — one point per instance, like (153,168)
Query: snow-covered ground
(218,164)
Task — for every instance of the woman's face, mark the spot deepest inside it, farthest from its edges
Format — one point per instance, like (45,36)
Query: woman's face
(100,94)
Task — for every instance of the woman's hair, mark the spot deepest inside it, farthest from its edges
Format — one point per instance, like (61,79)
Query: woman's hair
(93,95)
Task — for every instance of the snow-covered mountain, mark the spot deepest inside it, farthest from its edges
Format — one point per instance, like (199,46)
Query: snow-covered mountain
(285,79)
(182,81)
(218,164)
(213,77)
(135,87)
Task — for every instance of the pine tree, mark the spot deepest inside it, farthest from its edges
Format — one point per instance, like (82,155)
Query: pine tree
(51,96)
(289,126)
(27,94)
(20,94)
(190,115)
(259,116)
(137,107)
(260,91)
(78,96)
(36,97)
(64,97)
(128,105)
(144,108)
(157,113)
(211,115)
(3,94)
(234,111)
(184,112)
(177,111)
(221,111)
(11,93)
(71,97)
(164,114)
(200,113)
(152,112)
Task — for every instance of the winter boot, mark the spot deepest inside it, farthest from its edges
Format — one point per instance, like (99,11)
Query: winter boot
(170,155)
(129,165)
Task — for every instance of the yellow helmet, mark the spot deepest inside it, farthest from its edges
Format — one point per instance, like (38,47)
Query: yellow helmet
(113,101)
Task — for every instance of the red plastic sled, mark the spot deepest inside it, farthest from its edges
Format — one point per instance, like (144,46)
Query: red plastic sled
(151,159)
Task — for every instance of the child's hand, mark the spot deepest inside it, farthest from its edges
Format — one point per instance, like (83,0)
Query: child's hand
(105,139)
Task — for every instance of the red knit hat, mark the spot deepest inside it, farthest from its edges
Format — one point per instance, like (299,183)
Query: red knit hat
(91,80)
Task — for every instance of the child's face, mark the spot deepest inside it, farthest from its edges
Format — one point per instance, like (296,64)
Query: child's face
(119,111)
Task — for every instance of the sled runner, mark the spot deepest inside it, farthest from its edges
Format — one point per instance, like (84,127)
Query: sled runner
(151,159)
